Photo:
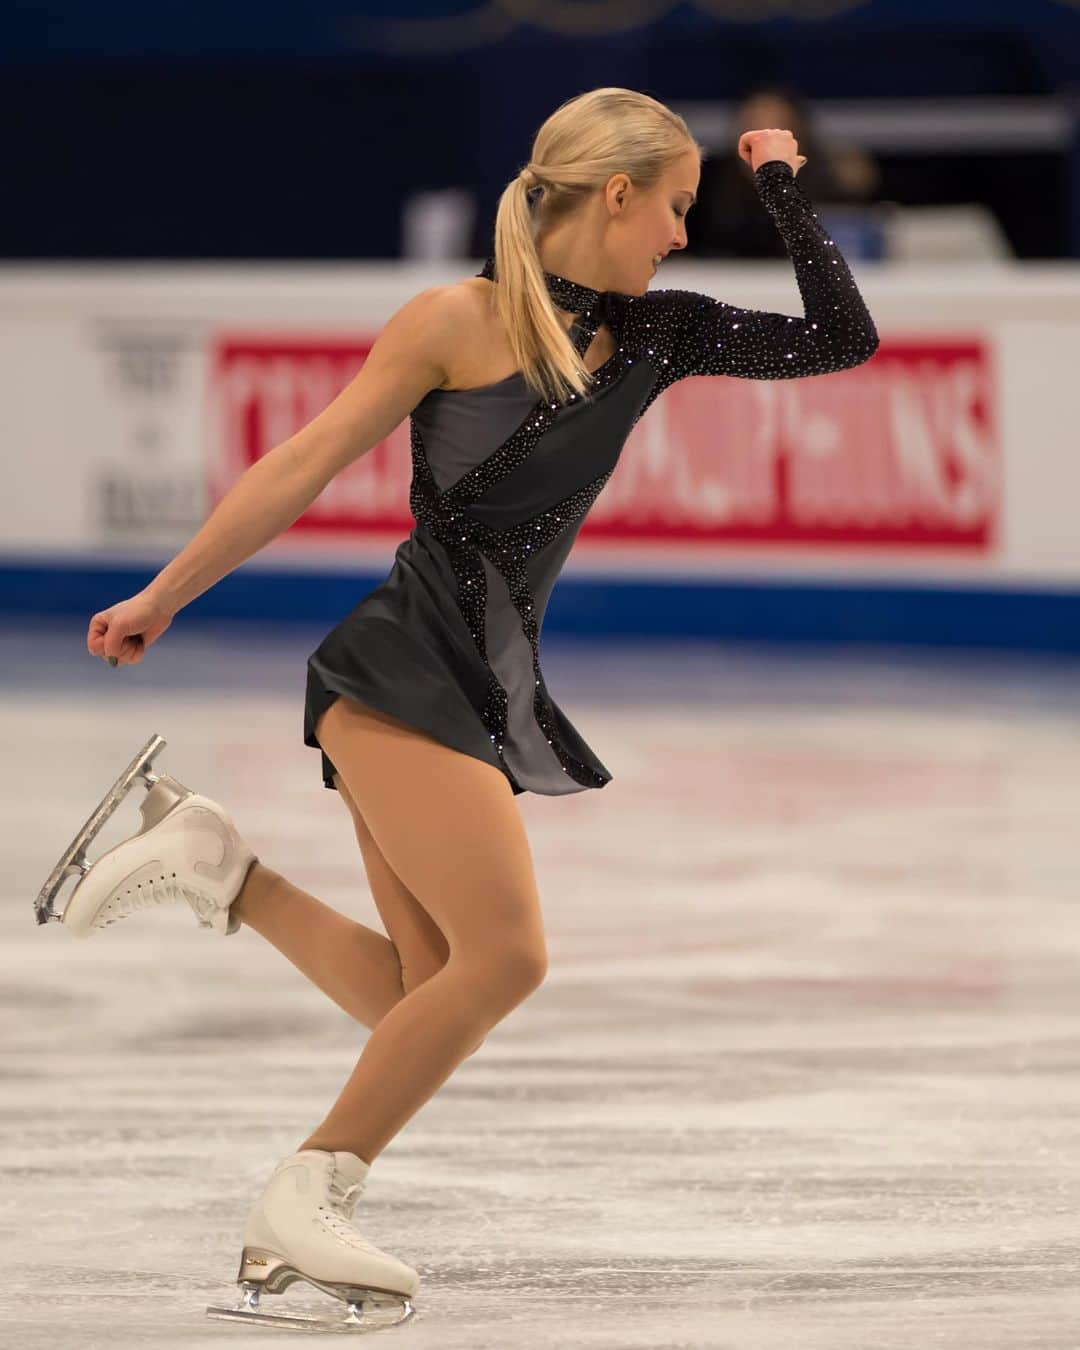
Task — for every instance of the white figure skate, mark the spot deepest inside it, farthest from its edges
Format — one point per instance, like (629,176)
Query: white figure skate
(188,849)
(300,1229)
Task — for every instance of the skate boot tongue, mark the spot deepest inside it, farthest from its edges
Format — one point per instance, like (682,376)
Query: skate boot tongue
(351,1167)
(347,1180)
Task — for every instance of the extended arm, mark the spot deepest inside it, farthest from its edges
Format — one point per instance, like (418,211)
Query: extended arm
(711,337)
(406,360)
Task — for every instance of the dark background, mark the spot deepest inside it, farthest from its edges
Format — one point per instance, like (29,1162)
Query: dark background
(280,131)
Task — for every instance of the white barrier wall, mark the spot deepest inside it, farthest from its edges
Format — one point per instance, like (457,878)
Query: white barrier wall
(133,395)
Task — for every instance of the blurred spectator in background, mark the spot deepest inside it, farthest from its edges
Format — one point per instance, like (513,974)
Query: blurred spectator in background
(729,219)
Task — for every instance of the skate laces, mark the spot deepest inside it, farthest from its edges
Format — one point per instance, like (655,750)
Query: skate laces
(344,1197)
(338,1214)
(344,1229)
(155,892)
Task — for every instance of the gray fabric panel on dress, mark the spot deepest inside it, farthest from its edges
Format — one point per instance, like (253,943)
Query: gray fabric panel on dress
(543,568)
(526,751)
(460,428)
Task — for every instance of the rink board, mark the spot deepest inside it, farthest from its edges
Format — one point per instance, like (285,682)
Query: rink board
(925,495)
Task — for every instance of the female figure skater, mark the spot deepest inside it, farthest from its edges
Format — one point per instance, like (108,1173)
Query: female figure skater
(427,701)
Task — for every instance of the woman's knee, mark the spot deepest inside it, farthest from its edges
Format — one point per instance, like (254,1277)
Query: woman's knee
(417,970)
(527,964)
(511,969)
(473,878)
(507,973)
(414,974)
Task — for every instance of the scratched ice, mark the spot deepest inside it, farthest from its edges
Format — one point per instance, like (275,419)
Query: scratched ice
(804,1069)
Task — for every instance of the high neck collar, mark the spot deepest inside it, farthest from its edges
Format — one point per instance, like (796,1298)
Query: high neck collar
(569,295)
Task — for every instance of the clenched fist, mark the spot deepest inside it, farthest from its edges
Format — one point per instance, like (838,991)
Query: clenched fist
(121,633)
(758,147)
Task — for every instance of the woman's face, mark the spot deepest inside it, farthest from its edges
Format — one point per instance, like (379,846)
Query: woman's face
(652,223)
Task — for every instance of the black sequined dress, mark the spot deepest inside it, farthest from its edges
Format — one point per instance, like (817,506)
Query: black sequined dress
(501,484)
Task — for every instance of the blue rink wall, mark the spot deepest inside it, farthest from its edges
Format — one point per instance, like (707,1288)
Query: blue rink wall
(627,607)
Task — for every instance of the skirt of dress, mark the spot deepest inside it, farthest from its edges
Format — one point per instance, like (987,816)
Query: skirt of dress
(406,650)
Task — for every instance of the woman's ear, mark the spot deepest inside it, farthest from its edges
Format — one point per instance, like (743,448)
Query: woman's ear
(617,190)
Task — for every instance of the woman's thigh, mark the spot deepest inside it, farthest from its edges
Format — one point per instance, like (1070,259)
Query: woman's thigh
(447,826)
(421,946)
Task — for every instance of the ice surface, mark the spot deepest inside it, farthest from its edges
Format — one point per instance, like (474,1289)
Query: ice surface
(805,1069)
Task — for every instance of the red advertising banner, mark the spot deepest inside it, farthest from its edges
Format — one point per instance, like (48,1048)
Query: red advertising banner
(903,450)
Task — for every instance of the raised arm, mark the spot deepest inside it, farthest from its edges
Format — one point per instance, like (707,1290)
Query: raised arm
(711,337)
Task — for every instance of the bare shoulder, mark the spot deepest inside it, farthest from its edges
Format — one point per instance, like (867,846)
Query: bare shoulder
(472,293)
(470,309)
(422,326)
(445,326)
(479,350)
(467,301)
(410,356)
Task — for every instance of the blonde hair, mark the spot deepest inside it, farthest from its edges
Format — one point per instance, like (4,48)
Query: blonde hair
(580,146)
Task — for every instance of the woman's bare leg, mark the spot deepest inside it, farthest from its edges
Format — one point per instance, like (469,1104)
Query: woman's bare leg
(422,949)
(447,825)
(354,965)
(421,946)
(362,971)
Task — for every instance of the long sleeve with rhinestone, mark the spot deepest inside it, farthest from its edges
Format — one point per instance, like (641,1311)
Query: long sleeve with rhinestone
(836,331)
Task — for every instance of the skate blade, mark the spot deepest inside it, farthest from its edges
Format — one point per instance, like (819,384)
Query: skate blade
(355,1317)
(73,861)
